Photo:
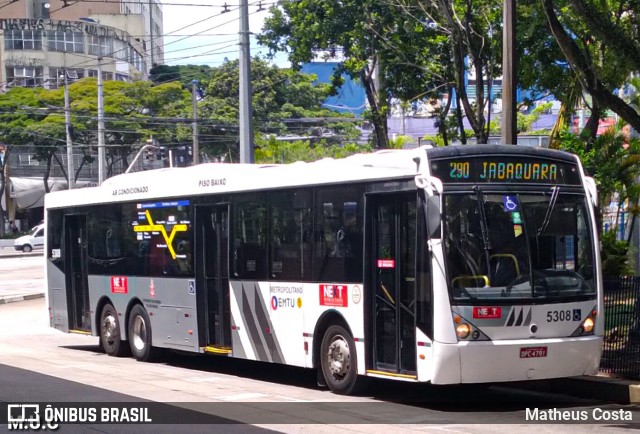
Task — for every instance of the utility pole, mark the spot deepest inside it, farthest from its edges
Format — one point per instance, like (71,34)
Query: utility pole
(151,31)
(509,74)
(101,153)
(246,118)
(194,101)
(71,173)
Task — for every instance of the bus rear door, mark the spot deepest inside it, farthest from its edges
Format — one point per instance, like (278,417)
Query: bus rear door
(212,277)
(77,272)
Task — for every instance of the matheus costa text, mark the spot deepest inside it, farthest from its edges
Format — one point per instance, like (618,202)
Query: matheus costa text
(596,414)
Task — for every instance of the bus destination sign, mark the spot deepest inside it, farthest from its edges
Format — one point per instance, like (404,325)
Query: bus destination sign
(505,169)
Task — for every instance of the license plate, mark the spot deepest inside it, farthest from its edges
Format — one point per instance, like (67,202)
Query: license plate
(526,353)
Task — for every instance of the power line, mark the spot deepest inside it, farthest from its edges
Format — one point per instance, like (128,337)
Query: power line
(259,3)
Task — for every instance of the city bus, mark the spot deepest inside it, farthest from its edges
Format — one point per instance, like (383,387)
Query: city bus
(461,264)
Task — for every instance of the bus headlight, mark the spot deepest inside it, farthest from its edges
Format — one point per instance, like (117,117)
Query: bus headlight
(463,330)
(587,325)
(467,330)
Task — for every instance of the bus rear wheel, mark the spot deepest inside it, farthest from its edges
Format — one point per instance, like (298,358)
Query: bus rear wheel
(140,334)
(338,360)
(110,338)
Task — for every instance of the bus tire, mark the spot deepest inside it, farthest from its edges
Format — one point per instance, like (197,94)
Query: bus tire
(110,337)
(140,334)
(338,360)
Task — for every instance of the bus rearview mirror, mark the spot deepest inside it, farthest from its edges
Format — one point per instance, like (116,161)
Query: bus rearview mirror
(433,216)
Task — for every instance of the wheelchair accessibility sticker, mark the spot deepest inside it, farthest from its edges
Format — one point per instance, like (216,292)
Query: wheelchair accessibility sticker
(510,203)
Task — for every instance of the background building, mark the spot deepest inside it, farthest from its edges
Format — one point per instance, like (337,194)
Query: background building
(41,41)
(39,38)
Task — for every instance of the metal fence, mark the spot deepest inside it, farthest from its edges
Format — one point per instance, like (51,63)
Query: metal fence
(621,350)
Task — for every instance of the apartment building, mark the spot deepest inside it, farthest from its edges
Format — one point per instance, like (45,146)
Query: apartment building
(40,38)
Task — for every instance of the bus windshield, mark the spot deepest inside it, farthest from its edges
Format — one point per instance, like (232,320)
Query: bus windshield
(533,247)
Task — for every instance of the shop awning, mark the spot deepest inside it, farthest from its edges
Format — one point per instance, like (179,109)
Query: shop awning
(29,192)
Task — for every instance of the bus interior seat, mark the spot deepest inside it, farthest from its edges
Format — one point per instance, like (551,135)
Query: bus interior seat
(504,269)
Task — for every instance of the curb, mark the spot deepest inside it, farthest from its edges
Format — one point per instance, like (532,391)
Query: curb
(16,298)
(606,388)
(20,255)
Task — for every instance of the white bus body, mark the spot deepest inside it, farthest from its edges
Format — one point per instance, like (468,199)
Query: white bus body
(452,265)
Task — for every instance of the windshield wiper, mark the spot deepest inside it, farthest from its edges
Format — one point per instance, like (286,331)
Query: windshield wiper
(484,228)
(552,203)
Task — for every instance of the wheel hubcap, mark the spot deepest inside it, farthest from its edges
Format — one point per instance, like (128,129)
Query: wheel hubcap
(139,333)
(109,328)
(339,357)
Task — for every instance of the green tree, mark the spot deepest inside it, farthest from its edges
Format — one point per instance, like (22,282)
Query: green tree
(573,48)
(184,74)
(270,150)
(471,30)
(19,108)
(311,29)
(421,49)
(284,102)
(133,112)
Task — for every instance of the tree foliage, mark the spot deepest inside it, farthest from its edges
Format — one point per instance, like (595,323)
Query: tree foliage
(351,29)
(573,48)
(270,150)
(419,48)
(35,117)
(284,102)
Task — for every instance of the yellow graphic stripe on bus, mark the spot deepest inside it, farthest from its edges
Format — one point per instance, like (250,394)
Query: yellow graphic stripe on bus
(391,374)
(217,350)
(80,332)
(168,238)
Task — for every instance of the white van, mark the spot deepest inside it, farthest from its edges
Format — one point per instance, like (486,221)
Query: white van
(35,240)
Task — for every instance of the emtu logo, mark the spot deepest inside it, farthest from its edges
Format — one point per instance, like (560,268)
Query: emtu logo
(274,302)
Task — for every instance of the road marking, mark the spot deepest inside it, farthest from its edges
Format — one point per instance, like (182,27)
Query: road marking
(241,396)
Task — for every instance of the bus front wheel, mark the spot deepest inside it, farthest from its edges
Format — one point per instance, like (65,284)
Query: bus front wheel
(140,334)
(338,360)
(110,332)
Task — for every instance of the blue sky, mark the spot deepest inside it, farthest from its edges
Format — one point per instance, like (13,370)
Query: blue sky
(206,34)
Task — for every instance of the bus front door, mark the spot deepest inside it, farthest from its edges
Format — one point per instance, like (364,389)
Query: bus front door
(77,271)
(212,277)
(392,223)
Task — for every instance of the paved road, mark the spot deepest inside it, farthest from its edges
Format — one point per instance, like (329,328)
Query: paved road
(272,396)
(23,386)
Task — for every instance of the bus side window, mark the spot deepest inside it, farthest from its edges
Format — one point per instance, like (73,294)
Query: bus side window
(338,234)
(104,249)
(290,243)
(250,242)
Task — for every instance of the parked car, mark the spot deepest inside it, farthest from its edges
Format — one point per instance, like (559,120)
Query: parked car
(35,240)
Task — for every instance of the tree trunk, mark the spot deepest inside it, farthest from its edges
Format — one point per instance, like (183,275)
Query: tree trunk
(584,71)
(378,114)
(443,119)
(592,124)
(463,135)
(47,173)
(459,55)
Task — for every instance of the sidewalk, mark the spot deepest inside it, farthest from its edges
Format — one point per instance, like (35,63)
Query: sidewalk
(16,284)
(602,387)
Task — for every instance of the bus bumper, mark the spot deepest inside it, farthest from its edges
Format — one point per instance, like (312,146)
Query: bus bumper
(516,360)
